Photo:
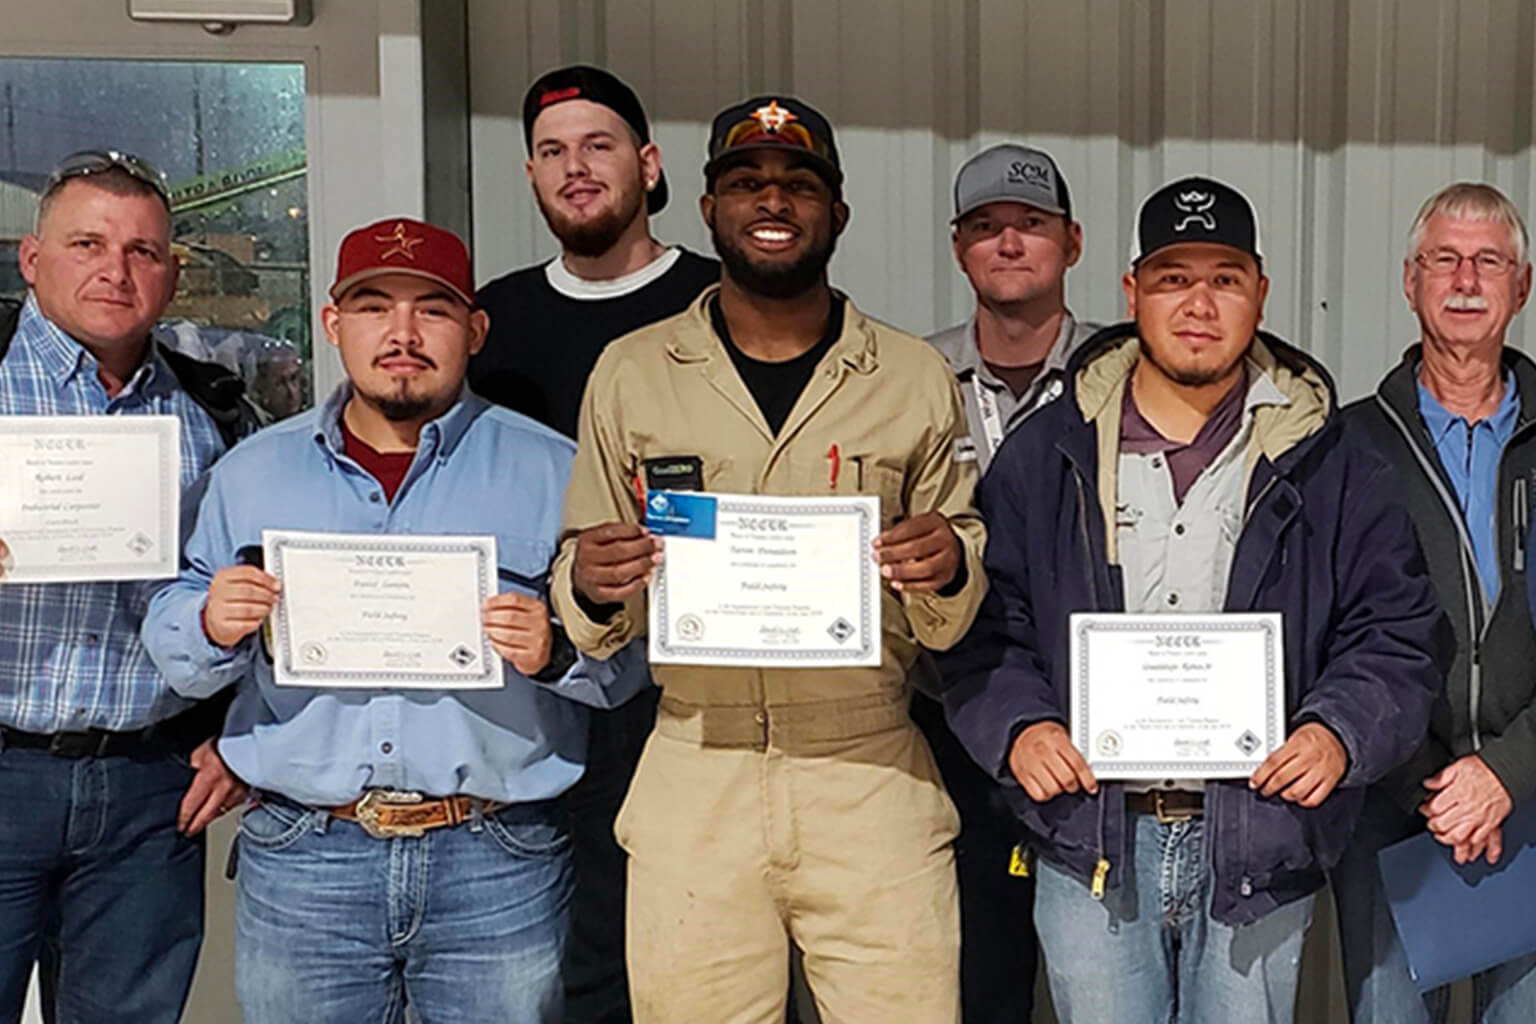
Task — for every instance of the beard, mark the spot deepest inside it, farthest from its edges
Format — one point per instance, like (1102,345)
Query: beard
(1191,378)
(595,235)
(775,281)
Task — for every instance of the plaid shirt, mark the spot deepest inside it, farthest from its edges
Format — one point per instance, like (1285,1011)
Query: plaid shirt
(70,655)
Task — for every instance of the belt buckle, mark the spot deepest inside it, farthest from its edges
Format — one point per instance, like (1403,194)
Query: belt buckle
(1166,817)
(73,745)
(373,802)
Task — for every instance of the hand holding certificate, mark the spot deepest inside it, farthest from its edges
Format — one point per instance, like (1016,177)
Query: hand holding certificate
(1177,696)
(382,611)
(86,498)
(758,580)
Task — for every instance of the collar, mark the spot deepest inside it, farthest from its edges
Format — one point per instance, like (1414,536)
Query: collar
(64,358)
(1439,421)
(438,437)
(696,341)
(572,287)
(967,362)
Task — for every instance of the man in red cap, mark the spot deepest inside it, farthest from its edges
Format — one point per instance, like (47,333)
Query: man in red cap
(403,845)
(597,178)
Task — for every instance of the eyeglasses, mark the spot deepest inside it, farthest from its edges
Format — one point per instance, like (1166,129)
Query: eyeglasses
(98,161)
(1445,262)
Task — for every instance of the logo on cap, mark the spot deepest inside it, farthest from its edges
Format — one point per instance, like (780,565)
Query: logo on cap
(404,244)
(1196,207)
(556,95)
(1021,172)
(773,117)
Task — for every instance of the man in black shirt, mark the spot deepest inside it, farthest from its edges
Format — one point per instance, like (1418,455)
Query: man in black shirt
(597,176)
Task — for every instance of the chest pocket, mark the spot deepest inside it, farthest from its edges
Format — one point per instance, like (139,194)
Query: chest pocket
(522,565)
(856,474)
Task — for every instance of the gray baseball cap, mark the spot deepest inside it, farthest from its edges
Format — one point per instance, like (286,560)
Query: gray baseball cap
(1010,173)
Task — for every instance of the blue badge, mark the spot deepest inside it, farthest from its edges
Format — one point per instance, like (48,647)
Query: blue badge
(680,514)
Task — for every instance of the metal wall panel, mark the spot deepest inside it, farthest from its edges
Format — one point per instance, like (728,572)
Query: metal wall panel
(1338,118)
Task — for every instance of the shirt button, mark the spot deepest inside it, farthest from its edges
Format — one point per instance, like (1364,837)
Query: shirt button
(375,497)
(759,718)
(1157,462)
(92,639)
(387,747)
(1173,598)
(1178,528)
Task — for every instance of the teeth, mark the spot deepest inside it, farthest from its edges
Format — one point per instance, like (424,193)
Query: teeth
(772,234)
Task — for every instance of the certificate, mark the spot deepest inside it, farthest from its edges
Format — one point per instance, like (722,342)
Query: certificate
(381,611)
(769,582)
(87,498)
(1177,696)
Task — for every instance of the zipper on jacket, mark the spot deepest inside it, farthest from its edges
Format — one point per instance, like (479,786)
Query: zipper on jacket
(1479,615)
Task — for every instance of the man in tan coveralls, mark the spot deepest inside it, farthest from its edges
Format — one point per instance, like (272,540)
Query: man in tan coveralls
(781,804)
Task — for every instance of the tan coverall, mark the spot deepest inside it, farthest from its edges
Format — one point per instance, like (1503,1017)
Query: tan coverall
(775,804)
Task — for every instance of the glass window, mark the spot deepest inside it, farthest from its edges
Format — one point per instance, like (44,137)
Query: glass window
(230,137)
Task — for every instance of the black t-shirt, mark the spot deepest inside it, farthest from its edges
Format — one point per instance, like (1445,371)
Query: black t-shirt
(776,387)
(544,342)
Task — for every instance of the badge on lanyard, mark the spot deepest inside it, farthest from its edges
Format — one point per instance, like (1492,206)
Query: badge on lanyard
(991,418)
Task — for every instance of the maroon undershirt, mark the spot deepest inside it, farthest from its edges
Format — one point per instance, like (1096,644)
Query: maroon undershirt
(388,468)
(1018,378)
(1185,461)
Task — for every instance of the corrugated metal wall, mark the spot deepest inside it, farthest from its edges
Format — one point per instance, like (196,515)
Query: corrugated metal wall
(1338,118)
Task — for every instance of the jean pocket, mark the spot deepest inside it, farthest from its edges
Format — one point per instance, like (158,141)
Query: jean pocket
(274,826)
(523,836)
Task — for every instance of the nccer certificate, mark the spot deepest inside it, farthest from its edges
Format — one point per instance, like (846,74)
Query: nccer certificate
(381,611)
(86,498)
(1177,696)
(770,582)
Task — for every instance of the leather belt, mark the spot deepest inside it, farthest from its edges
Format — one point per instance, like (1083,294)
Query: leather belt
(391,814)
(175,735)
(1170,805)
(784,726)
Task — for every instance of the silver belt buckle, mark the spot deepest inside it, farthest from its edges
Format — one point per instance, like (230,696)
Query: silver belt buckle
(374,801)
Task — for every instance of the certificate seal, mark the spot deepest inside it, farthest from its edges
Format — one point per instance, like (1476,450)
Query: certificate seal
(1108,743)
(462,656)
(690,628)
(1248,743)
(313,653)
(139,544)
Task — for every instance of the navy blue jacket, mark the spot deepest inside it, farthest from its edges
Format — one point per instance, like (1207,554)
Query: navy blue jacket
(1323,542)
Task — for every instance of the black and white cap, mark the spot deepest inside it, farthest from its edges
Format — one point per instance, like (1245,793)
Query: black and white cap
(1010,173)
(1195,210)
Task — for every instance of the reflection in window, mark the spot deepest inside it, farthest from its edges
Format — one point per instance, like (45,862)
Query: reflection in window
(231,139)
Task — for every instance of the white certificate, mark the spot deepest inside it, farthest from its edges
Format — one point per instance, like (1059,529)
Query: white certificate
(382,611)
(1177,696)
(87,498)
(771,582)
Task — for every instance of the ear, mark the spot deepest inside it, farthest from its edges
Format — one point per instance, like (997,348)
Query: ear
(957,248)
(31,247)
(1074,243)
(1408,269)
(1128,285)
(650,164)
(707,210)
(1263,295)
(479,327)
(1523,288)
(528,168)
(841,215)
(330,320)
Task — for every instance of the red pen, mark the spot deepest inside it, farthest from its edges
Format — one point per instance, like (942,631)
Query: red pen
(639,493)
(834,464)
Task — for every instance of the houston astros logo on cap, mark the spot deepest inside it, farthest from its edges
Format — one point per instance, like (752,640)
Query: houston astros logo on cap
(773,117)
(404,244)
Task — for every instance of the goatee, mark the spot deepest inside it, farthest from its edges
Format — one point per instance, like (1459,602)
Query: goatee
(774,281)
(594,237)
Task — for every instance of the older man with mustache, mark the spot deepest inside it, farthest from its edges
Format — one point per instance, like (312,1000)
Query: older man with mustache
(1451,417)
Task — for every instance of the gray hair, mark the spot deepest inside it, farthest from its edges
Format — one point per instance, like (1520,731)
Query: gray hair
(114,180)
(1471,200)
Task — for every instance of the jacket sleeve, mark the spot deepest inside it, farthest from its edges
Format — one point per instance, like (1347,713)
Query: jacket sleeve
(1389,645)
(1405,783)
(194,666)
(995,680)
(943,483)
(601,491)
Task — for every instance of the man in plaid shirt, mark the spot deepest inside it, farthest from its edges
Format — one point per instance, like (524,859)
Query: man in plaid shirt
(107,778)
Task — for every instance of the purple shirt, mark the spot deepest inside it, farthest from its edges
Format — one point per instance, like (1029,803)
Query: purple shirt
(1185,461)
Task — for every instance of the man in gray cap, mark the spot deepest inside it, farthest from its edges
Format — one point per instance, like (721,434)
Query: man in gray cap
(1014,239)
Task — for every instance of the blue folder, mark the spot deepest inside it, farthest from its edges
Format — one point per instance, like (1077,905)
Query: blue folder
(1457,920)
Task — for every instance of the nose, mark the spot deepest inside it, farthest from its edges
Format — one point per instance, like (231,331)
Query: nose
(773,199)
(401,327)
(1465,279)
(1010,241)
(573,163)
(1200,304)
(114,268)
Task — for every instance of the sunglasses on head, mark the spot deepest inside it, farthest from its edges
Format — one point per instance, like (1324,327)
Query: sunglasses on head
(98,161)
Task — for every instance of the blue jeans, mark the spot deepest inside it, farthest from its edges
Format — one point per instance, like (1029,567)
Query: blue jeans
(465,924)
(1376,979)
(95,879)
(1150,953)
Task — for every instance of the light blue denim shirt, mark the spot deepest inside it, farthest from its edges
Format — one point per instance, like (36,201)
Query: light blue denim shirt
(1470,455)
(478,469)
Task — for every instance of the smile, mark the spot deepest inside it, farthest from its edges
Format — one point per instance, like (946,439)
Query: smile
(772,236)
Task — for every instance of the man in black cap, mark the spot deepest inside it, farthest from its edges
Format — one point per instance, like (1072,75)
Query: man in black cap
(777,803)
(597,177)
(1195,467)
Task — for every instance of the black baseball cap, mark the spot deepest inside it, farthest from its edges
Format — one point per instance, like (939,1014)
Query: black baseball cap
(584,82)
(774,122)
(1196,209)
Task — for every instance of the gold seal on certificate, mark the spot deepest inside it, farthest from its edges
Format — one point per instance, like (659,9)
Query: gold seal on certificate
(765,581)
(1177,696)
(381,611)
(85,498)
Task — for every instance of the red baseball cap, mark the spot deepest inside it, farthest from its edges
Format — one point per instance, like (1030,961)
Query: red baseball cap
(401,245)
